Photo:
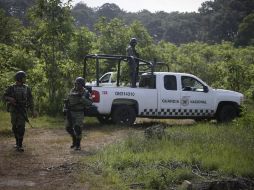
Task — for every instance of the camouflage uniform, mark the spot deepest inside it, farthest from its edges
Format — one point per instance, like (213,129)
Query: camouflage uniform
(75,115)
(24,99)
(133,64)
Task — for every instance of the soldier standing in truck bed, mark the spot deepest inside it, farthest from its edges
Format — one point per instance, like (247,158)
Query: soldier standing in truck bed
(133,64)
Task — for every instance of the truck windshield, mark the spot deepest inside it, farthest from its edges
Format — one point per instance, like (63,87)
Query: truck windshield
(105,78)
(191,84)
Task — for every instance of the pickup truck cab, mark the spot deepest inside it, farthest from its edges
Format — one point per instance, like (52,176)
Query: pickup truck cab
(165,95)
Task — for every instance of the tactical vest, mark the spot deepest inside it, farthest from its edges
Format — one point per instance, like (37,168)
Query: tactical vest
(20,94)
(78,102)
(75,102)
(131,51)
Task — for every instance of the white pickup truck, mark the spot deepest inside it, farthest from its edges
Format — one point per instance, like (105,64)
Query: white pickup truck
(165,95)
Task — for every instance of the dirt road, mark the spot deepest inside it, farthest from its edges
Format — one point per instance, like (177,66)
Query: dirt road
(48,162)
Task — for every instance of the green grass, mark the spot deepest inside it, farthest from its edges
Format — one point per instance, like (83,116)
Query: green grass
(47,122)
(5,124)
(210,148)
(39,122)
(224,150)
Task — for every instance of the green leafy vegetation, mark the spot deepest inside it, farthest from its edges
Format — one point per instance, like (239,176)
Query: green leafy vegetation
(184,153)
(49,39)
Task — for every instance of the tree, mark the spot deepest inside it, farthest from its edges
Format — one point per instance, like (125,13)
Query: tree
(12,59)
(145,41)
(81,44)
(181,27)
(245,32)
(112,36)
(220,18)
(9,28)
(83,15)
(53,26)
(17,9)
(166,52)
(109,11)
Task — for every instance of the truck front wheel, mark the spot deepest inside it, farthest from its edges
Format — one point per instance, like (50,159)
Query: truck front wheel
(227,113)
(124,115)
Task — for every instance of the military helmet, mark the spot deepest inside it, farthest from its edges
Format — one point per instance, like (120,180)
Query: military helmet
(20,75)
(80,80)
(133,41)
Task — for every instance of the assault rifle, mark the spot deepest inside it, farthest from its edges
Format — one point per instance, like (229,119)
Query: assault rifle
(22,111)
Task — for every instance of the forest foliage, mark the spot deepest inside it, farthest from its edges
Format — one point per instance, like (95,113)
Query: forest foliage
(49,39)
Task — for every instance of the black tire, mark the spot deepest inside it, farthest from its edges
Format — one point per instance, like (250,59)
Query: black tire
(227,113)
(105,119)
(124,115)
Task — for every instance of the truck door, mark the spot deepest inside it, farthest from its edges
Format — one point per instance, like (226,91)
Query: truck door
(196,99)
(169,97)
(148,104)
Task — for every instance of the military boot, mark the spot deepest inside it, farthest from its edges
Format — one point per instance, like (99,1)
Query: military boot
(73,142)
(16,145)
(78,144)
(20,149)
(19,145)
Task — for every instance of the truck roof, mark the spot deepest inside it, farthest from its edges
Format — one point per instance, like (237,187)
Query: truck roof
(176,74)
(169,73)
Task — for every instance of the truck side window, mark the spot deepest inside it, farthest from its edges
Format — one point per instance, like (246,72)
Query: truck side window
(170,82)
(147,81)
(191,84)
(105,79)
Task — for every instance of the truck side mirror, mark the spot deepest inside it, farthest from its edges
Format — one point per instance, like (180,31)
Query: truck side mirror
(205,88)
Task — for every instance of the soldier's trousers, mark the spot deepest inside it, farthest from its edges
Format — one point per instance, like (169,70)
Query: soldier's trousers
(74,126)
(133,73)
(18,127)
(133,77)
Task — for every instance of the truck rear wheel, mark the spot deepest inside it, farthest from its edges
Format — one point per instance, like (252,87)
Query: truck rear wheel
(227,113)
(124,115)
(104,119)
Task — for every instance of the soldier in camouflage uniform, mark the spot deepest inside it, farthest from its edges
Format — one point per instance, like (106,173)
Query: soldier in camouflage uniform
(133,64)
(19,97)
(78,99)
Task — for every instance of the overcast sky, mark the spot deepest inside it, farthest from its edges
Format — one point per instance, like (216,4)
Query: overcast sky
(151,5)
